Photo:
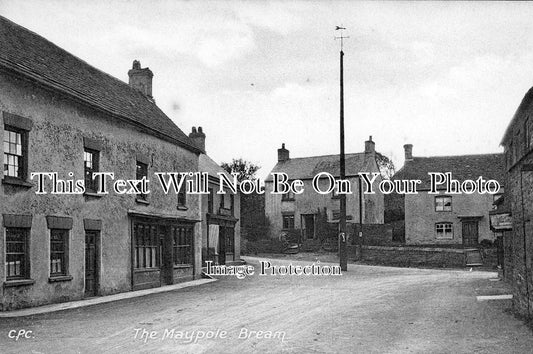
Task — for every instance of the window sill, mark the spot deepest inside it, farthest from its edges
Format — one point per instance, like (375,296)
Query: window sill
(182,266)
(21,282)
(16,182)
(182,207)
(288,200)
(92,195)
(58,278)
(142,201)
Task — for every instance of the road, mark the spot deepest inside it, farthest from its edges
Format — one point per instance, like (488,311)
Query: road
(366,310)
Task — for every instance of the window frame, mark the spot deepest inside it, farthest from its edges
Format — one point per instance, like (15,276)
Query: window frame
(23,162)
(182,245)
(444,225)
(64,260)
(289,225)
(91,185)
(149,246)
(443,204)
(139,176)
(288,197)
(25,269)
(182,195)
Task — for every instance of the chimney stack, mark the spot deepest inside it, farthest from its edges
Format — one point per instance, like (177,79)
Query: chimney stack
(198,138)
(141,78)
(370,146)
(408,149)
(283,154)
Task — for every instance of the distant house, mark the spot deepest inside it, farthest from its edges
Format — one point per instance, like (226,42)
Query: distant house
(300,212)
(59,114)
(447,219)
(518,239)
(220,225)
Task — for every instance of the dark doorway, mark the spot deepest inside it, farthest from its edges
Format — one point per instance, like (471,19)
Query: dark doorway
(229,235)
(91,263)
(470,233)
(309,226)
(165,249)
(222,245)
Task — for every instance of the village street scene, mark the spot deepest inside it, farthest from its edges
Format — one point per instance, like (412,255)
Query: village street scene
(300,177)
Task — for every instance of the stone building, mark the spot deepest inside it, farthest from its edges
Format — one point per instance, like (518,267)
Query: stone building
(300,212)
(220,225)
(518,242)
(59,114)
(447,219)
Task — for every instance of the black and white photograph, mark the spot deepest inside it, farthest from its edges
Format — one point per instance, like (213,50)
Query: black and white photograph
(299,176)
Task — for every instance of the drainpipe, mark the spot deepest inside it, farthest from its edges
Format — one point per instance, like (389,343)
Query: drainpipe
(525,168)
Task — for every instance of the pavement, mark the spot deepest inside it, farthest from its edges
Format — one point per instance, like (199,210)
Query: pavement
(368,309)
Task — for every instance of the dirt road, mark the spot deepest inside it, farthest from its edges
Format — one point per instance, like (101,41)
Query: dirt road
(366,310)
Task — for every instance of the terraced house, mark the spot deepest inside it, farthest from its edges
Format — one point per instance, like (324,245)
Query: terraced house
(459,219)
(58,113)
(518,238)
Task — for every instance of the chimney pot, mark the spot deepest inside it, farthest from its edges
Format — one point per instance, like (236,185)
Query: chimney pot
(408,149)
(141,78)
(370,146)
(283,154)
(198,137)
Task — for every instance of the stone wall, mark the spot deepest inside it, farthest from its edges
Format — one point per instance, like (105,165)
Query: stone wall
(418,256)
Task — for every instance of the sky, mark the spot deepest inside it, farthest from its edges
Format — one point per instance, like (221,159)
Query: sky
(446,77)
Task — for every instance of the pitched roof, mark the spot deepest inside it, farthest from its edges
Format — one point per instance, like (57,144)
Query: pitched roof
(308,167)
(26,53)
(488,166)
(522,108)
(207,164)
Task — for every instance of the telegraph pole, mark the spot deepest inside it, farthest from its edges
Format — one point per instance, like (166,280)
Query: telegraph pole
(343,256)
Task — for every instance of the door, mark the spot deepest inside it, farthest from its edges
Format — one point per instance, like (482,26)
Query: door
(91,263)
(230,244)
(222,245)
(309,226)
(470,233)
(165,255)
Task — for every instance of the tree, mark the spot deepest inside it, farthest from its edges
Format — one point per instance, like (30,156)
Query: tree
(386,166)
(244,169)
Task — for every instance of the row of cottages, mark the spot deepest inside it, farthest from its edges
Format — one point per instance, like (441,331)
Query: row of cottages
(289,212)
(59,114)
(516,212)
(448,219)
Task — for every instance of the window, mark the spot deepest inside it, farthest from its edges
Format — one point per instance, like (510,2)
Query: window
(15,152)
(210,200)
(231,202)
(444,230)
(91,164)
(182,195)
(141,172)
(17,253)
(58,252)
(182,241)
(222,201)
(145,253)
(443,203)
(287,196)
(288,221)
